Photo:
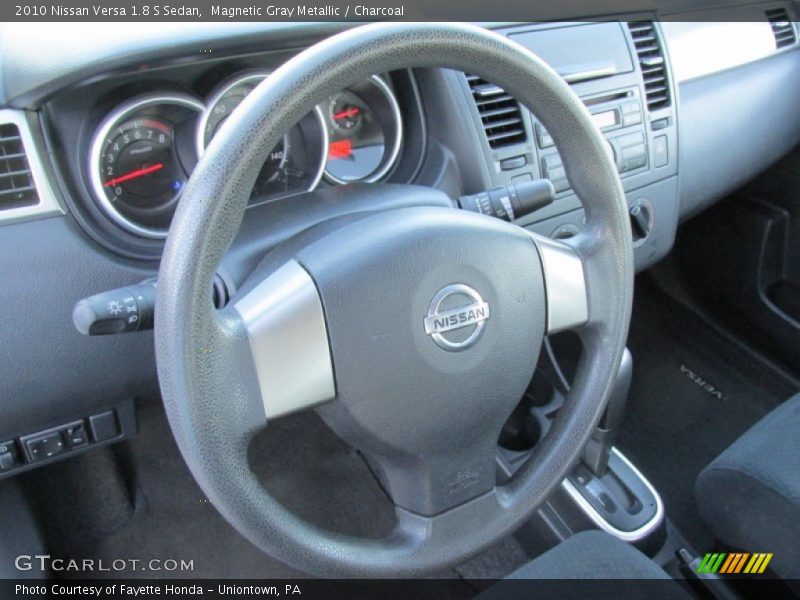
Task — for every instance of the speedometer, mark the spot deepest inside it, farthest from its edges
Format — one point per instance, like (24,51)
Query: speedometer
(136,167)
(294,165)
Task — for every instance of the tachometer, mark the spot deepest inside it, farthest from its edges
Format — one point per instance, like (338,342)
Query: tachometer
(365,131)
(139,165)
(136,168)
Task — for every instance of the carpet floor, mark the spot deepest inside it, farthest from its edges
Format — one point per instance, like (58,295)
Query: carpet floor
(693,394)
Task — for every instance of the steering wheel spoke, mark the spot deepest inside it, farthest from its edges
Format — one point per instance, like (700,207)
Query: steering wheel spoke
(437,481)
(444,529)
(565,284)
(288,341)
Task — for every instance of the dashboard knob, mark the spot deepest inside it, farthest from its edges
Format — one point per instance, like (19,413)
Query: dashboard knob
(640,221)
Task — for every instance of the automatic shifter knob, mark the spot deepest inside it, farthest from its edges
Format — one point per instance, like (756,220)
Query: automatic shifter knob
(598,449)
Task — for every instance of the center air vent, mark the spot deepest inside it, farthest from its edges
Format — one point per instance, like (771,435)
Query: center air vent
(16,181)
(782,27)
(651,60)
(500,113)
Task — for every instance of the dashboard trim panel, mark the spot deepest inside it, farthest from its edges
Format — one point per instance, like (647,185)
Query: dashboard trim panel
(697,49)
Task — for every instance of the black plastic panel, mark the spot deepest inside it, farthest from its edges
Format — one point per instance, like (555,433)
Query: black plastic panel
(64,58)
(51,374)
(103,427)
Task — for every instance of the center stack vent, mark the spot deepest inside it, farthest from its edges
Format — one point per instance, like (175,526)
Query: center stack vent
(652,63)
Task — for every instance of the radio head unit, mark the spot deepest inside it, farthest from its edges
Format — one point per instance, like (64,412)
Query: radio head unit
(618,114)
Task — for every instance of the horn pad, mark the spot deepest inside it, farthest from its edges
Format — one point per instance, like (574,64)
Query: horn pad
(435,318)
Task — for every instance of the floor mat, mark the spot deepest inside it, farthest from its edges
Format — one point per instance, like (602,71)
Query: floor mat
(693,393)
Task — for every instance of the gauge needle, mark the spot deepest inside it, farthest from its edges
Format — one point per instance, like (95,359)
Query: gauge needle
(134,174)
(350,112)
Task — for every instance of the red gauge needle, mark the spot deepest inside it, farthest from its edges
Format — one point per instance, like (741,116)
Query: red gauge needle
(350,112)
(134,174)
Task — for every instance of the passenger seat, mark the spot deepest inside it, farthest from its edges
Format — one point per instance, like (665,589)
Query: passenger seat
(750,494)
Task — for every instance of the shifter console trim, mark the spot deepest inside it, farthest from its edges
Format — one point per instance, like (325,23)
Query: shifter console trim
(598,519)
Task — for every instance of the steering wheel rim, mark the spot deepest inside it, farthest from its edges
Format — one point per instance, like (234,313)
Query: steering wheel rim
(213,417)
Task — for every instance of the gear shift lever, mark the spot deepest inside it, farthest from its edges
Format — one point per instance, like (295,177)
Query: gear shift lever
(605,486)
(598,449)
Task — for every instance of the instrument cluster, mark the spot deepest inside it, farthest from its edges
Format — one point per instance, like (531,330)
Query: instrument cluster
(143,152)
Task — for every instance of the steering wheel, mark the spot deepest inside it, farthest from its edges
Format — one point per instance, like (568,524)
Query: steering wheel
(412,331)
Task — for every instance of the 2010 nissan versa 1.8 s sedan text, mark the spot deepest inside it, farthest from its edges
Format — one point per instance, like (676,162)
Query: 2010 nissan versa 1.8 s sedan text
(486,302)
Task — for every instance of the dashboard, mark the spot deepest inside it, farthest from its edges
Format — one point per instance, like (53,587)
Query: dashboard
(100,133)
(127,143)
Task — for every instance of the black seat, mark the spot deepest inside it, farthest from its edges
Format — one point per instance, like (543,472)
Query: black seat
(749,496)
(598,565)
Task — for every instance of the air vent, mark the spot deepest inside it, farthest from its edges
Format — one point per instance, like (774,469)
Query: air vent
(651,60)
(500,113)
(782,27)
(16,182)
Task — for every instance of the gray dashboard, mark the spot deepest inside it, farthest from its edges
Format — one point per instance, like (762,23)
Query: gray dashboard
(718,127)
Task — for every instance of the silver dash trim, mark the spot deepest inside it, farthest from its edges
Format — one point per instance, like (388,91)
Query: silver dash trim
(597,518)
(565,284)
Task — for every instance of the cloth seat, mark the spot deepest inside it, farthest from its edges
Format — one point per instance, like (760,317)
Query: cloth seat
(749,496)
(597,564)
